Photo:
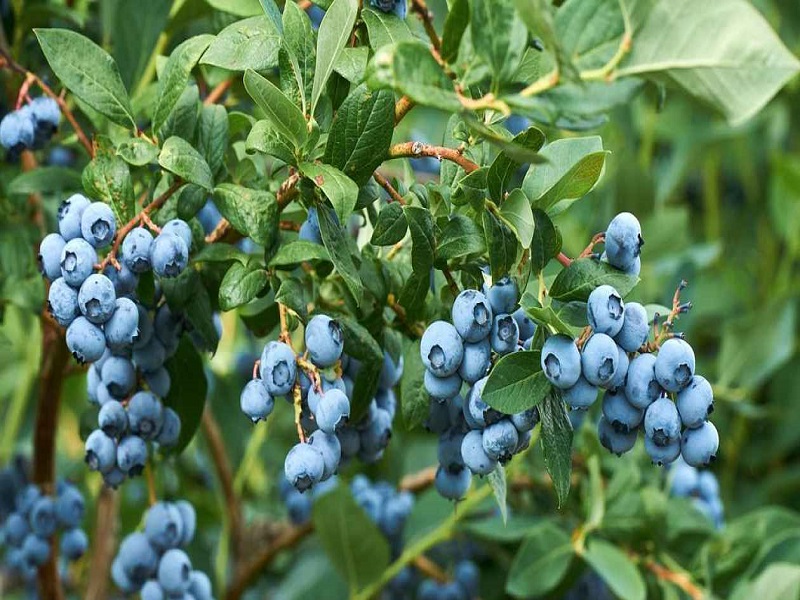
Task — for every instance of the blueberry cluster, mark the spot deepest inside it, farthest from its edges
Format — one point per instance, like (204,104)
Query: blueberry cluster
(31,519)
(153,562)
(464,586)
(298,504)
(30,127)
(473,436)
(397,7)
(701,486)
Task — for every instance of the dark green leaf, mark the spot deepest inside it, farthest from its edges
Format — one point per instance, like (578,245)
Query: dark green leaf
(44,180)
(455,25)
(557,444)
(541,562)
(616,569)
(384,28)
(335,239)
(264,138)
(284,116)
(108,178)
(338,187)
(219,252)
(334,31)
(502,245)
(248,44)
(414,398)
(471,188)
(290,293)
(516,383)
(391,226)
(212,136)
(187,391)
(497,479)
(544,315)
(423,246)
(578,280)
(546,243)
(299,48)
(182,121)
(298,251)
(503,167)
(241,284)
(359,343)
(502,51)
(134,45)
(460,237)
(190,200)
(251,212)
(137,151)
(179,157)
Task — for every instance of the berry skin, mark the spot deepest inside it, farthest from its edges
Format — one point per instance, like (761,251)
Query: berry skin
(476,410)
(476,361)
(472,316)
(398,7)
(699,446)
(684,480)
(635,328)
(113,419)
(120,579)
(150,356)
(78,258)
(386,400)
(16,131)
(333,410)
(255,401)
(304,466)
(98,225)
(599,360)
(616,442)
(159,382)
(43,517)
(391,373)
(137,558)
(97,298)
(324,340)
(674,365)
(278,368)
(663,454)
(163,526)
(145,415)
(621,372)
(561,361)
(641,386)
(85,340)
(309,233)
(527,328)
(500,440)
(623,241)
(180,228)
(131,455)
(74,543)
(200,586)
(695,402)
(70,507)
(35,550)
(442,388)
(119,376)
(50,255)
(313,397)
(605,310)
(662,423)
(707,485)
(449,450)
(441,349)
(349,441)
(375,437)
(467,576)
(69,216)
(581,395)
(621,414)
(505,334)
(502,295)
(525,420)
(136,249)
(46,113)
(331,450)
(170,428)
(188,519)
(122,327)
(62,302)
(15,529)
(169,255)
(453,485)
(152,591)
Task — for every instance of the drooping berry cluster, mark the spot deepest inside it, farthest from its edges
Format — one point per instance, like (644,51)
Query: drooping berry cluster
(473,436)
(701,486)
(30,127)
(153,562)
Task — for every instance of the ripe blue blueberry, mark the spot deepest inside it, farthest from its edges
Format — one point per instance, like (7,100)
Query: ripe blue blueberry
(278,368)
(467,576)
(113,419)
(124,280)
(527,327)
(472,315)
(375,436)
(69,216)
(131,454)
(152,590)
(386,400)
(188,519)
(391,372)
(621,414)
(502,295)
(46,113)
(97,298)
(333,410)
(662,454)
(136,249)
(16,131)
(145,415)
(314,396)
(180,228)
(309,233)
(500,440)
(505,334)
(78,258)
(442,388)
(623,241)
(120,579)
(49,255)
(119,376)
(662,423)
(98,225)
(35,550)
(158,382)
(74,543)
(581,395)
(605,310)
(324,340)
(349,440)
(641,386)
(449,449)
(62,302)
(441,349)
(635,328)
(525,420)
(476,410)
(684,480)
(43,517)
(15,529)
(599,360)
(255,401)
(304,466)
(85,340)
(151,355)
(331,450)
(621,372)
(70,507)
(175,572)
(138,559)
(613,440)
(163,526)
(101,452)
(169,255)
(398,7)
(699,446)
(476,361)
(675,365)
(561,361)
(200,586)
(438,420)
(707,485)
(170,428)
(122,327)
(695,402)
(453,485)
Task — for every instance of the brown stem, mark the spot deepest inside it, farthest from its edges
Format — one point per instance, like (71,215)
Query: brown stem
(426,566)
(384,183)
(289,226)
(451,281)
(418,149)
(103,544)
(419,481)
(680,580)
(415,329)
(426,16)
(219,232)
(218,91)
(152,497)
(596,239)
(288,191)
(564,259)
(219,457)
(402,108)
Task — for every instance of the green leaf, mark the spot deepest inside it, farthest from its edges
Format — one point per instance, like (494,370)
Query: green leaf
(300,49)
(338,187)
(385,28)
(251,212)
(590,33)
(461,236)
(391,226)
(423,246)
(273,12)
(777,581)
(45,180)
(284,116)
(539,16)
(352,63)
(455,25)
(471,188)
(297,252)
(334,31)
(414,398)
(673,44)
(503,50)
(241,284)
(291,294)
(248,44)
(264,138)
(502,245)
(88,72)
(516,383)
(557,444)
(175,76)
(212,136)
(187,390)
(240,8)
(544,315)
(616,569)
(137,151)
(504,166)
(359,343)
(361,133)
(578,280)
(134,45)
(199,312)
(108,178)
(353,543)
(541,562)
(546,242)
(516,212)
(220,253)
(182,120)
(179,157)
(335,239)
(497,479)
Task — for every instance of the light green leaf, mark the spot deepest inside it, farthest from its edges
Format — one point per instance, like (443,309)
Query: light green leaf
(44,180)
(240,8)
(385,28)
(546,243)
(284,116)
(352,63)
(264,138)
(516,212)
(241,284)
(497,479)
(516,383)
(248,44)
(504,166)
(299,47)
(334,31)
(578,280)
(212,136)
(338,187)
(179,157)
(108,178)
(137,151)
(455,25)
(253,213)
(499,36)
(541,562)
(557,444)
(616,569)
(298,251)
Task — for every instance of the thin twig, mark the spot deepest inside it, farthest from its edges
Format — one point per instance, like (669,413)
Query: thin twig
(419,149)
(384,183)
(426,16)
(219,231)
(218,91)
(564,259)
(419,481)
(402,108)
(288,191)
(451,282)
(427,567)
(680,580)
(103,543)
(597,238)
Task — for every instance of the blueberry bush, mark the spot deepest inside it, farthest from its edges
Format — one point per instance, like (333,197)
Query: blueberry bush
(376,299)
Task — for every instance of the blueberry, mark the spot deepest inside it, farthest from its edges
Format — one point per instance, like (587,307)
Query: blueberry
(635,328)
(158,382)
(119,376)
(163,526)
(476,361)
(375,436)
(525,420)
(472,316)
(200,586)
(349,440)
(131,454)
(391,372)
(333,410)
(581,395)
(707,485)
(113,419)
(120,579)
(441,349)
(314,396)
(136,249)
(255,401)
(16,131)
(695,402)
(98,225)
(298,506)
(144,328)
(635,268)
(145,415)
(49,255)
(151,355)
(69,216)
(476,410)
(502,295)
(613,440)
(62,302)
(662,454)
(167,325)
(15,529)
(152,591)
(74,543)
(304,466)
(674,365)
(122,328)
(170,428)
(43,517)
(621,414)
(324,340)
(46,112)
(175,572)
(209,216)
(684,480)
(605,310)
(505,334)
(85,340)
(527,328)
(278,368)
(309,233)
(397,7)
(467,576)
(180,228)
(500,440)
(386,400)
(662,422)
(453,485)
(474,456)
(188,520)
(169,255)
(641,386)
(599,360)
(78,258)
(449,449)
(70,507)
(328,445)
(26,498)
(623,241)
(621,372)
(35,550)
(442,388)
(97,298)
(699,446)
(561,361)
